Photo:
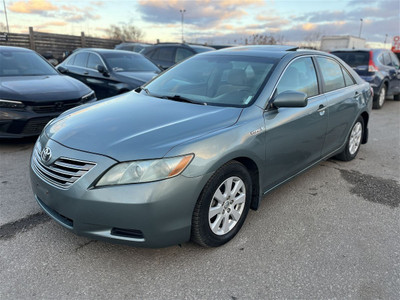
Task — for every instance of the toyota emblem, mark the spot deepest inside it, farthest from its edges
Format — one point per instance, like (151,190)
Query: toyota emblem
(45,155)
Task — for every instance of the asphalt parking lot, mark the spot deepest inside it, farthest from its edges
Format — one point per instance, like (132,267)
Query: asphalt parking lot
(333,232)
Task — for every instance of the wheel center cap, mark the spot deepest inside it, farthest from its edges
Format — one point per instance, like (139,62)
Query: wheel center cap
(226,204)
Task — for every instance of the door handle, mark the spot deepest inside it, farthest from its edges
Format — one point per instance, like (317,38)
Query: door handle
(321,109)
(85,73)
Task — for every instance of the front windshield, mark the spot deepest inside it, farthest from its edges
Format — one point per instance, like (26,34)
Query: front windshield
(23,63)
(129,62)
(228,80)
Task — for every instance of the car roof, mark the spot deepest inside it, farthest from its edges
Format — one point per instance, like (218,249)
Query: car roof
(105,51)
(275,51)
(358,50)
(10,48)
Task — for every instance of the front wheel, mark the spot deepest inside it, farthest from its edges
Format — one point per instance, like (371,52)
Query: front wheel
(222,206)
(353,141)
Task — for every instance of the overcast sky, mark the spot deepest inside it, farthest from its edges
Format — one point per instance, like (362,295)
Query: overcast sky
(212,21)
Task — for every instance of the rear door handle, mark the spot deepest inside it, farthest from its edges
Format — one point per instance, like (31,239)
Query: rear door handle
(85,73)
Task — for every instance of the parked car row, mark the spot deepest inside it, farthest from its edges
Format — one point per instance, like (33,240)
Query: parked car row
(109,72)
(32,92)
(166,55)
(113,72)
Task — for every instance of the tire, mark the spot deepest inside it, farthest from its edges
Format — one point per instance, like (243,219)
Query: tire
(379,98)
(219,215)
(396,97)
(353,141)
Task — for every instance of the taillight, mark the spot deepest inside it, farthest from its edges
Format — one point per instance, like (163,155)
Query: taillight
(372,91)
(371,65)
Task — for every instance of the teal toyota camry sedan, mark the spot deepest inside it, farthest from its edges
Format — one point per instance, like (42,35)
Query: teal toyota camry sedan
(187,155)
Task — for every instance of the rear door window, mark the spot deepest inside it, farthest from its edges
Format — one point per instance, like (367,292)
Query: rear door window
(166,54)
(394,59)
(331,74)
(386,59)
(347,78)
(182,53)
(81,59)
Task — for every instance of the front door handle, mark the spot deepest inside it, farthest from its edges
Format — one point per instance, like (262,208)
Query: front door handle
(321,109)
(86,73)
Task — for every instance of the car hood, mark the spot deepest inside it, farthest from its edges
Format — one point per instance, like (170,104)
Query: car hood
(138,76)
(133,126)
(41,88)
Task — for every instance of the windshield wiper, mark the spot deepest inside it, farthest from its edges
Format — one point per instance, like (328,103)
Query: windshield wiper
(146,90)
(182,99)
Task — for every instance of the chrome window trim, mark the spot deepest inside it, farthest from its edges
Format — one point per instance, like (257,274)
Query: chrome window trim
(316,72)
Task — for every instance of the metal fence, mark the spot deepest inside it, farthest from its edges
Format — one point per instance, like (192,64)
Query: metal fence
(56,44)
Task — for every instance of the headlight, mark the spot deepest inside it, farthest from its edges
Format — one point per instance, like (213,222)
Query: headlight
(11,104)
(145,170)
(88,97)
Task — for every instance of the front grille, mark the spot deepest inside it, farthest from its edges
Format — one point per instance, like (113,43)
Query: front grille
(35,126)
(54,107)
(63,172)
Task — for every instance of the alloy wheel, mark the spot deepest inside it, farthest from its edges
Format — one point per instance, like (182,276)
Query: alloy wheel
(355,138)
(227,205)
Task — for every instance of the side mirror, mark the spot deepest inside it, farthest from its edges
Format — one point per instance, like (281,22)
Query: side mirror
(291,99)
(102,70)
(62,69)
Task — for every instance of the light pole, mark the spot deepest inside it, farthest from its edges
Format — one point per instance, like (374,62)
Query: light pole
(5,12)
(360,27)
(182,13)
(385,39)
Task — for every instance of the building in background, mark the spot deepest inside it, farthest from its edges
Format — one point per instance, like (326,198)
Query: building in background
(333,42)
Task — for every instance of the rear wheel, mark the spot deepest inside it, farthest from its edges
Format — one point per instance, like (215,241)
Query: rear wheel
(379,99)
(222,206)
(353,141)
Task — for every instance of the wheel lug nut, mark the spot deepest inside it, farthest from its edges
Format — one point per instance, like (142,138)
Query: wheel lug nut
(231,201)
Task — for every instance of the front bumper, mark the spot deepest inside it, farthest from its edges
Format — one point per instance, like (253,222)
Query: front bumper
(29,121)
(155,214)
(20,123)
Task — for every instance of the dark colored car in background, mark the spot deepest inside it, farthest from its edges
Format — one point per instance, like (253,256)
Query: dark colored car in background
(166,55)
(380,68)
(134,47)
(32,92)
(109,72)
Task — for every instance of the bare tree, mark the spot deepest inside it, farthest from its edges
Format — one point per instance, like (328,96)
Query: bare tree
(3,28)
(125,33)
(312,40)
(261,39)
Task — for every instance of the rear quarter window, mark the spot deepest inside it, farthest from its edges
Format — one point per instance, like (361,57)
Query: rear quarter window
(347,78)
